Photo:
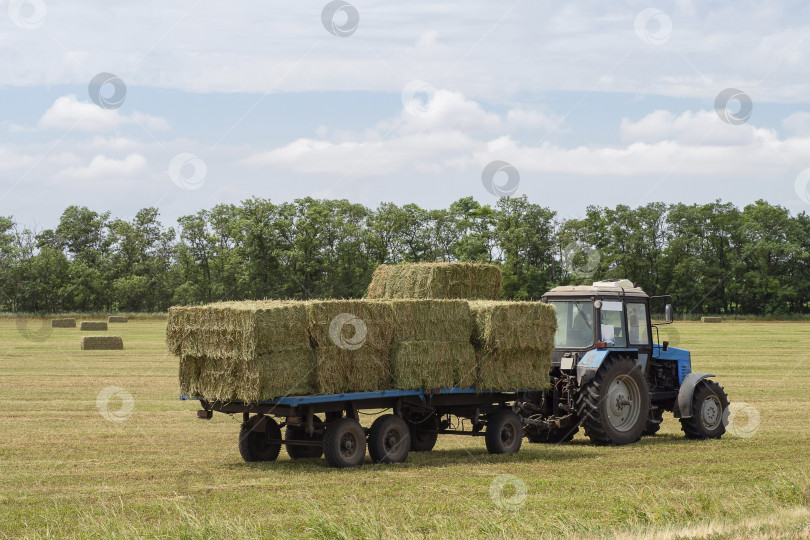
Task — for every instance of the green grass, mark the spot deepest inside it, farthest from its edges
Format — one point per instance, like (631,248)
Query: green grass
(66,471)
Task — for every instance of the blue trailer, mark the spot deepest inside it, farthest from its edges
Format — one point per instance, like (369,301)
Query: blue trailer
(609,375)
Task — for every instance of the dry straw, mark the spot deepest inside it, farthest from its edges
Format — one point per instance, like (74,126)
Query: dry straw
(246,351)
(436,280)
(513,343)
(63,323)
(102,343)
(352,343)
(117,319)
(93,326)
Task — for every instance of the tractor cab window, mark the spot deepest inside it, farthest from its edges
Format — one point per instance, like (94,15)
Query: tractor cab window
(574,324)
(612,323)
(637,323)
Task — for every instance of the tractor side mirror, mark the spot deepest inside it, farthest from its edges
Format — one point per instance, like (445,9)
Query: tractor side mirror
(668,313)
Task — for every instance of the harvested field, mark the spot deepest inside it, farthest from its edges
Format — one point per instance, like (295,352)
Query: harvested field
(436,280)
(117,319)
(102,343)
(92,326)
(63,323)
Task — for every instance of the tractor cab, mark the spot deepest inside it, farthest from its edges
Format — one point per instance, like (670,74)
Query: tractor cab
(610,314)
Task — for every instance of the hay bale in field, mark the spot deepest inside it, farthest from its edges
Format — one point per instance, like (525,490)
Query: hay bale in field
(92,326)
(431,344)
(513,342)
(63,323)
(711,319)
(436,280)
(117,319)
(245,351)
(351,341)
(102,343)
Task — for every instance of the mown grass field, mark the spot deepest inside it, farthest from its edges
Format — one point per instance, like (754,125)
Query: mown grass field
(67,471)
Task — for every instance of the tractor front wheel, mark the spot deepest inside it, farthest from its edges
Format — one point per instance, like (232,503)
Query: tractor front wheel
(709,402)
(613,407)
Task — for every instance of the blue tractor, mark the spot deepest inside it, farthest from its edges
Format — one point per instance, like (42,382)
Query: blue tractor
(612,377)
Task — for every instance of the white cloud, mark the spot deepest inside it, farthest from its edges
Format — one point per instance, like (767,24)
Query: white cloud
(107,169)
(692,128)
(68,113)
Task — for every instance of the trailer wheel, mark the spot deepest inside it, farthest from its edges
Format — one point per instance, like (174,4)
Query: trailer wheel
(424,433)
(614,405)
(255,436)
(550,436)
(504,433)
(654,422)
(344,444)
(708,404)
(389,439)
(298,433)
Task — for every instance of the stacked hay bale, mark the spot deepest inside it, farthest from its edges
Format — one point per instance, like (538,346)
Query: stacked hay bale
(63,323)
(245,351)
(92,326)
(513,342)
(102,343)
(431,344)
(436,280)
(352,342)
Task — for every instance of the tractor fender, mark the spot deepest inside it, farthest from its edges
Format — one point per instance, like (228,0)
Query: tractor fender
(589,364)
(685,393)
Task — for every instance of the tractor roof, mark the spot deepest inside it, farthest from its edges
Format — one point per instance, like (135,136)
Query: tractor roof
(608,287)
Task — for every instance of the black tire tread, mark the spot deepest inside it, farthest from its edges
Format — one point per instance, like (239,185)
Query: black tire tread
(330,447)
(376,448)
(492,435)
(245,440)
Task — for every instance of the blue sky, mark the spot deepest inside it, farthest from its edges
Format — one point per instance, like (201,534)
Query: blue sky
(591,102)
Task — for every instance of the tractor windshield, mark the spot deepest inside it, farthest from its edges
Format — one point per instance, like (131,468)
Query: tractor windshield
(574,324)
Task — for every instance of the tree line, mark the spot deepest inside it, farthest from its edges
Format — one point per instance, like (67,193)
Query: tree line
(712,258)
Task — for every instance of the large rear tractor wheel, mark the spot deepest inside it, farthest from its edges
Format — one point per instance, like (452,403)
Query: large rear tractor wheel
(255,436)
(708,404)
(613,407)
(299,433)
(654,422)
(344,444)
(550,436)
(389,439)
(504,433)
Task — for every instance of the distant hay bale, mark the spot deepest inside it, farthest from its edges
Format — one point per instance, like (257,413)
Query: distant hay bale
(102,343)
(513,342)
(711,319)
(117,319)
(436,281)
(93,326)
(63,323)
(245,351)
(431,344)
(351,341)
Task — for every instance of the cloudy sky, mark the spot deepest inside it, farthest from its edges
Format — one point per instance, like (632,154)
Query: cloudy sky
(187,104)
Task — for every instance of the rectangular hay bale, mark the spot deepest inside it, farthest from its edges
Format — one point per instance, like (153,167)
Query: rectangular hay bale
(711,319)
(513,342)
(102,343)
(117,319)
(431,320)
(352,342)
(63,323)
(436,280)
(246,351)
(433,364)
(92,326)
